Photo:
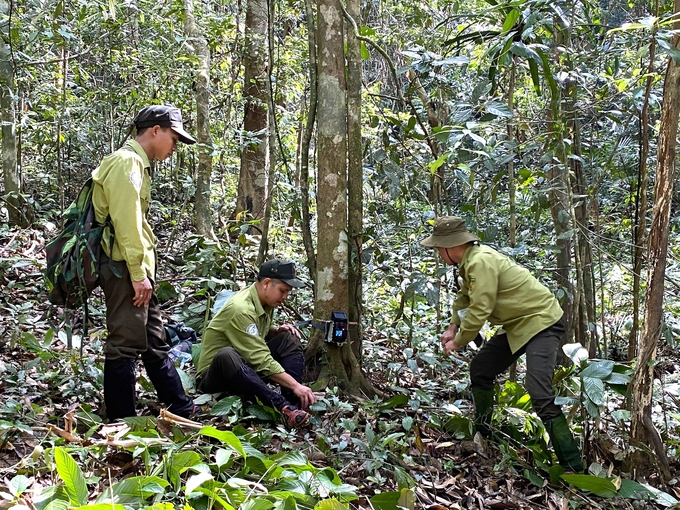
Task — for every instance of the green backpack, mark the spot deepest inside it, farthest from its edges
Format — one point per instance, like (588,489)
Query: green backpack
(74,255)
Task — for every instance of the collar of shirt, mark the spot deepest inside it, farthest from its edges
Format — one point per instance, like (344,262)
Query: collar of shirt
(259,309)
(134,145)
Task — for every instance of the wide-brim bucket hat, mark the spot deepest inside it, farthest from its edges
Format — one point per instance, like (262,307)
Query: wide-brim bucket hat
(449,231)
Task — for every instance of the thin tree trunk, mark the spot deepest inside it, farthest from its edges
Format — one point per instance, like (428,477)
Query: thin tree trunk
(355,176)
(585,304)
(640,224)
(254,174)
(643,432)
(306,141)
(202,209)
(11,178)
(266,219)
(558,195)
(511,179)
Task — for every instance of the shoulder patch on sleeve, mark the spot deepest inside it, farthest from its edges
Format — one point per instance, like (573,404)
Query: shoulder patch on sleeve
(252,330)
(136,179)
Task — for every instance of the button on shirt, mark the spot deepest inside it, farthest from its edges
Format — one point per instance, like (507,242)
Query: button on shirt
(496,289)
(242,323)
(123,191)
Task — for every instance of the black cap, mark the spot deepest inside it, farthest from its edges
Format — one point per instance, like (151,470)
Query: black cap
(280,270)
(164,116)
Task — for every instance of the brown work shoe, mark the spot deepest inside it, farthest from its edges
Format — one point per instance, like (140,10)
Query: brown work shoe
(294,417)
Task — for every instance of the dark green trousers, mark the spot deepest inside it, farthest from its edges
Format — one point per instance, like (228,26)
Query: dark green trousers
(495,357)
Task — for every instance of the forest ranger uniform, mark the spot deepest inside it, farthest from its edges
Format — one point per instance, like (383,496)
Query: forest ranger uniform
(240,350)
(123,191)
(495,289)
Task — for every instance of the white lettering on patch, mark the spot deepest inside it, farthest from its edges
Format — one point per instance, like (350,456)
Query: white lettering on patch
(252,330)
(136,179)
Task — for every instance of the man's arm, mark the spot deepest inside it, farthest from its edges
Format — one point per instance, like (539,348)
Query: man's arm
(482,291)
(304,393)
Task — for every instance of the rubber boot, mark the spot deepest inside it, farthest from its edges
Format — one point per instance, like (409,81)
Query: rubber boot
(483,409)
(119,388)
(168,385)
(564,444)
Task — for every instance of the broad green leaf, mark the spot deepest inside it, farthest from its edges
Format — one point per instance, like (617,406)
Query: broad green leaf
(52,498)
(662,498)
(222,456)
(331,504)
(134,490)
(227,437)
(395,401)
(386,500)
(296,458)
(18,485)
(592,409)
(226,406)
(615,378)
(522,50)
(533,70)
(407,499)
(599,486)
(598,369)
(101,506)
(510,20)
(403,478)
(72,476)
(594,388)
(535,478)
(289,503)
(195,481)
(257,504)
(178,462)
(212,495)
(434,165)
(631,489)
(499,109)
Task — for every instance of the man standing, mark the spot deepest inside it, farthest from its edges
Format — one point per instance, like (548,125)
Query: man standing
(122,192)
(240,347)
(496,289)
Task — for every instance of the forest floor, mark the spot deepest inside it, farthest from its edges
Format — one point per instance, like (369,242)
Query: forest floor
(417,435)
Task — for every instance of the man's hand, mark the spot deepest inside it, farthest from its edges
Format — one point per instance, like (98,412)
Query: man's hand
(305,394)
(450,346)
(143,291)
(449,334)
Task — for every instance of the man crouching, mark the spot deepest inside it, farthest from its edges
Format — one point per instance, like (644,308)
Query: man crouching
(240,348)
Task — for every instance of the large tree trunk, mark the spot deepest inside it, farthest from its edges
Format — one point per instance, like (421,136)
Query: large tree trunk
(643,432)
(332,289)
(254,175)
(203,215)
(12,181)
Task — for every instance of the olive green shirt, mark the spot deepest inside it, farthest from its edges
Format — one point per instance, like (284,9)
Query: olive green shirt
(122,189)
(496,289)
(242,323)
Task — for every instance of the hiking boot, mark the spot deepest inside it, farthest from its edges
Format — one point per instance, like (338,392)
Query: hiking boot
(294,417)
